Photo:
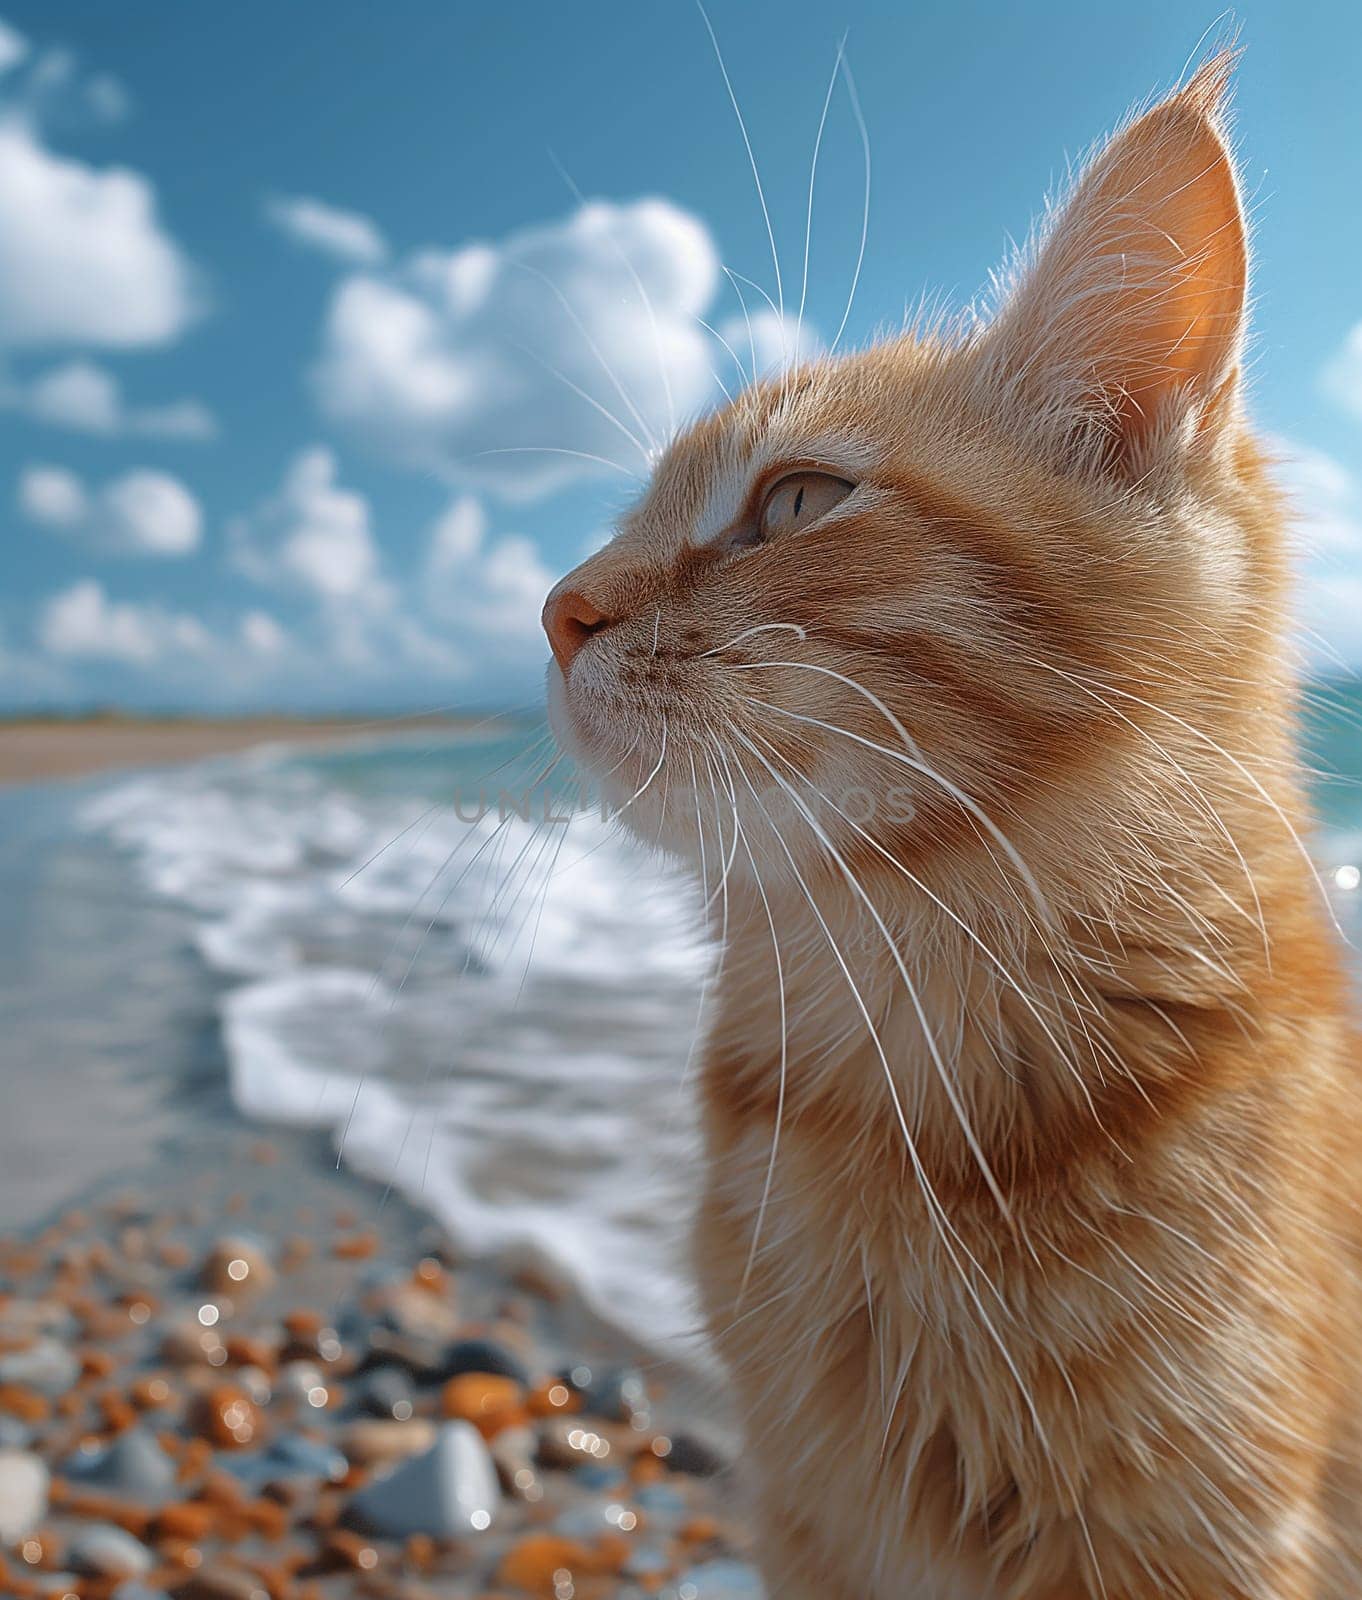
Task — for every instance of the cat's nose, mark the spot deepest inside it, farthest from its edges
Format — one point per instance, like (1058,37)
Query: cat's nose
(569,620)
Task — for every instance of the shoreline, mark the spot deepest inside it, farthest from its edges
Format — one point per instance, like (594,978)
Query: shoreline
(45,750)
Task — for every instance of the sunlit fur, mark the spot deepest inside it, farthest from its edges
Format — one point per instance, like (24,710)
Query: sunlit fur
(1028,1224)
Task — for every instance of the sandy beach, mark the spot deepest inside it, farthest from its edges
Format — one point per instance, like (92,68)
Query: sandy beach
(251,1377)
(40,751)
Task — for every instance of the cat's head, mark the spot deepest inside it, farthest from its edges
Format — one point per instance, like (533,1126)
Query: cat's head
(911,600)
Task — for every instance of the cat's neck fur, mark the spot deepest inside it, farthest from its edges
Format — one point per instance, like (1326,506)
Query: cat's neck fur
(991,1039)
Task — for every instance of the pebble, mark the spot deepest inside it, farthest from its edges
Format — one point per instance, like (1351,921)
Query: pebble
(646,1560)
(536,1564)
(25,1319)
(447,1491)
(489,1403)
(103,1551)
(304,1383)
(46,1367)
(237,1266)
(380,1441)
(513,1451)
(386,1392)
(719,1580)
(134,1465)
(569,1443)
(227,1417)
(664,1507)
(414,1310)
(287,1457)
(24,1485)
(135,1589)
(481,1355)
(14,1435)
(619,1394)
(221,1583)
(695,1455)
(423,1358)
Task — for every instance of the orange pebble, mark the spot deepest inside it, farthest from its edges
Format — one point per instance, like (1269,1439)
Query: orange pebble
(419,1552)
(346,1549)
(150,1392)
(489,1403)
(295,1252)
(268,1518)
(647,1469)
(96,1363)
(355,1247)
(118,1415)
(16,1401)
(303,1325)
(188,1523)
(227,1417)
(243,1351)
(536,1563)
(196,1455)
(430,1273)
(553,1399)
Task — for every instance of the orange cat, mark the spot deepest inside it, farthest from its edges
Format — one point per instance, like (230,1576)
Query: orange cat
(957,668)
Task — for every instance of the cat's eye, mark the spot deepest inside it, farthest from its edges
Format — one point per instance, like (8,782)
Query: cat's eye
(799,500)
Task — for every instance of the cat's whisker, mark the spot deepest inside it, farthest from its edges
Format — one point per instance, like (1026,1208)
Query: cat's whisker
(646,298)
(748,633)
(1255,783)
(732,356)
(595,349)
(942,1226)
(913,761)
(1003,970)
(557,450)
(813,177)
(751,154)
(948,1083)
(784,1042)
(865,209)
(601,410)
(747,318)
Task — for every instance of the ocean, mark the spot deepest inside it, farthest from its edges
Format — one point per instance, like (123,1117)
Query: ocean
(401,945)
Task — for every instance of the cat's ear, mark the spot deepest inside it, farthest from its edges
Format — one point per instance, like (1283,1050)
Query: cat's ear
(1128,321)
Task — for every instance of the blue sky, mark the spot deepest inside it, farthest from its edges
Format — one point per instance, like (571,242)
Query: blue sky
(275,279)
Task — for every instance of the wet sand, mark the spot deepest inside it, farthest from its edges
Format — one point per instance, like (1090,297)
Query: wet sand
(39,751)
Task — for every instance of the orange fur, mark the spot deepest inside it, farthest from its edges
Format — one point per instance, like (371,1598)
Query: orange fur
(1050,1291)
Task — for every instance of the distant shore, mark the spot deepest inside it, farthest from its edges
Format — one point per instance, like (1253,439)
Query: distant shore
(39,750)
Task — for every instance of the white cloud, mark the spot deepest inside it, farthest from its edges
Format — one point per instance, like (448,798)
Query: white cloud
(1325,499)
(456,536)
(87,398)
(53,496)
(142,512)
(492,588)
(13,47)
(1343,375)
(83,256)
(1326,504)
(82,621)
(492,347)
(262,635)
(343,235)
(312,534)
